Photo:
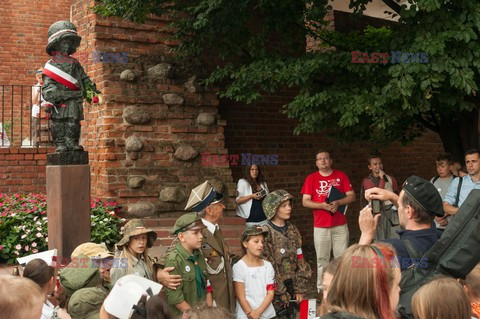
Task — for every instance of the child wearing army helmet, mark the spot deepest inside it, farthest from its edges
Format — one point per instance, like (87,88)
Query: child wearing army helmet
(189,263)
(283,248)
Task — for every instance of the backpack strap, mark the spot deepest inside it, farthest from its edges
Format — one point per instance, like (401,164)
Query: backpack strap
(412,251)
(435,179)
(457,199)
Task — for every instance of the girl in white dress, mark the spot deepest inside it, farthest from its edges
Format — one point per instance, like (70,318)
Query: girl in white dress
(254,278)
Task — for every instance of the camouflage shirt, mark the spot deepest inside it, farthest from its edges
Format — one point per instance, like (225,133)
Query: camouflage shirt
(283,250)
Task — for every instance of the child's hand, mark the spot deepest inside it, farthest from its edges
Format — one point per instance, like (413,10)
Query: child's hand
(299,298)
(254,315)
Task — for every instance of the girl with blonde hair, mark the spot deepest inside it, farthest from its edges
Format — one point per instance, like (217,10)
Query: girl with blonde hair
(375,269)
(441,298)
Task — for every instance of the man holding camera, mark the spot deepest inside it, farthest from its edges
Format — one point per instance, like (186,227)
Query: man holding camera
(419,202)
(330,231)
(388,224)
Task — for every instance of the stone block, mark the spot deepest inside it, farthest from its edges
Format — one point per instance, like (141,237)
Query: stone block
(136,181)
(133,114)
(206,119)
(127,75)
(133,144)
(172,195)
(172,99)
(161,71)
(185,153)
(141,209)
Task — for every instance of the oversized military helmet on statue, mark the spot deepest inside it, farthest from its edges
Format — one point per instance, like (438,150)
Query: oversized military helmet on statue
(60,30)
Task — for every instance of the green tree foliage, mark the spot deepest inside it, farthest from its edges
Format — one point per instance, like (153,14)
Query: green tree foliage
(260,48)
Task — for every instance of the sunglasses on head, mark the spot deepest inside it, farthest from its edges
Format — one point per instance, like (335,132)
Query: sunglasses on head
(39,71)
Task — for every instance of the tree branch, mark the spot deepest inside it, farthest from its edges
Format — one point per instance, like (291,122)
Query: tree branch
(427,124)
(393,5)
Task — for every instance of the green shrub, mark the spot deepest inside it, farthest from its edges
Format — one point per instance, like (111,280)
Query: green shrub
(23,224)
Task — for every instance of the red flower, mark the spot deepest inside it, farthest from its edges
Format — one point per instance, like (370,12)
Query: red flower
(95,99)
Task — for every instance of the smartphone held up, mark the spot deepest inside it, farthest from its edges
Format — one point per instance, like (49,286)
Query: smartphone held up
(376,206)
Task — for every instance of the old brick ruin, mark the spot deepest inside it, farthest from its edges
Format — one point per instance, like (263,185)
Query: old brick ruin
(145,141)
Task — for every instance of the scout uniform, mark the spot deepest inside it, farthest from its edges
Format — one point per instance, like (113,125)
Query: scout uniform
(214,248)
(283,248)
(121,266)
(194,286)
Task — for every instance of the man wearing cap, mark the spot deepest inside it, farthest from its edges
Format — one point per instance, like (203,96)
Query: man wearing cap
(189,263)
(205,200)
(418,204)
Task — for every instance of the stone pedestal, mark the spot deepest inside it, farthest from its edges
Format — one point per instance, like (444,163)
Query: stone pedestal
(68,200)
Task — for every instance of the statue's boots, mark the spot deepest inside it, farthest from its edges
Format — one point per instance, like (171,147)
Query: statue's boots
(73,135)
(58,134)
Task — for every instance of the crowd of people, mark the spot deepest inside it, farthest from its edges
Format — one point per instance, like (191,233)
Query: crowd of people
(199,277)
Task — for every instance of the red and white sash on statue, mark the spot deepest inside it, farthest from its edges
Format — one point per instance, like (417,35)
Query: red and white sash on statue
(61,76)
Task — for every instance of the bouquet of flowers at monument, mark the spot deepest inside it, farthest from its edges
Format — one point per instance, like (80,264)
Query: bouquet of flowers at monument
(91,95)
(23,224)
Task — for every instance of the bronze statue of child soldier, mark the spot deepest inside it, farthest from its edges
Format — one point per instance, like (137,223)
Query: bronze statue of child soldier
(65,86)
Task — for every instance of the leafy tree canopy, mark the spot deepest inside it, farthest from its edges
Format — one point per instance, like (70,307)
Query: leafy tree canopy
(260,47)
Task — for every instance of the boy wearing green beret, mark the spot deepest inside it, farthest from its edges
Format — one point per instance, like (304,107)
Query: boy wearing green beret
(189,263)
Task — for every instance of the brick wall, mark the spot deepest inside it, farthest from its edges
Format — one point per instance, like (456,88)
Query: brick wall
(150,161)
(22,170)
(262,129)
(23,34)
(23,30)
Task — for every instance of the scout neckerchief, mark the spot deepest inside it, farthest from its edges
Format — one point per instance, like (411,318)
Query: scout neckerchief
(199,277)
(61,76)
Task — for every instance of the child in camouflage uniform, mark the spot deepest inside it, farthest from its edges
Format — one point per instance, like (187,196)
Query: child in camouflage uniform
(189,263)
(283,248)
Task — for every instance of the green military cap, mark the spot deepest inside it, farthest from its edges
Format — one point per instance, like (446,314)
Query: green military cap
(253,230)
(273,200)
(136,227)
(190,221)
(202,196)
(86,303)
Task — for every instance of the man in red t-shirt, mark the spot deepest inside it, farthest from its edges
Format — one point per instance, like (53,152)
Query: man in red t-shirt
(330,231)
